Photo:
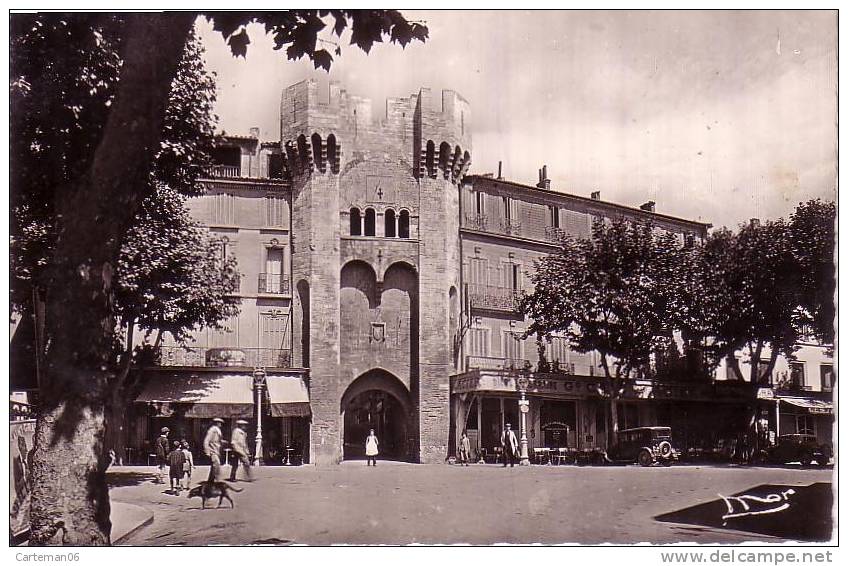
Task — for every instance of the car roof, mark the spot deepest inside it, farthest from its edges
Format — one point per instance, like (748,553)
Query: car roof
(640,428)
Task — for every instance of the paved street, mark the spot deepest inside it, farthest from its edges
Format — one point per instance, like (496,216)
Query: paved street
(481,504)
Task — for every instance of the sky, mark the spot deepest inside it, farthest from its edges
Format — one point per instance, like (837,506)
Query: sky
(716,116)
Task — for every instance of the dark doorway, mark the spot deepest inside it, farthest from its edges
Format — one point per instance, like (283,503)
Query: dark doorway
(384,413)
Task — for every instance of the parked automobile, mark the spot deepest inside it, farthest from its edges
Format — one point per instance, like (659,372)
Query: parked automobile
(645,445)
(802,448)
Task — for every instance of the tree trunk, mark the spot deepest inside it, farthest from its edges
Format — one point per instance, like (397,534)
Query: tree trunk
(70,503)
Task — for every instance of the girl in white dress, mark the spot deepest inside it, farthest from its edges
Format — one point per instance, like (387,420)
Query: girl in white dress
(371,451)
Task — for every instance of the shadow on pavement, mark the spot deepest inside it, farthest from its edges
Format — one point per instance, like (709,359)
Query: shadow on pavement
(124,478)
(802,513)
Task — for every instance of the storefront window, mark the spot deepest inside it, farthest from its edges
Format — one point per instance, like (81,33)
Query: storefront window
(805,424)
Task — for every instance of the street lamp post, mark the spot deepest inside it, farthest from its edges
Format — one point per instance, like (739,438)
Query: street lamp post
(524,406)
(258,384)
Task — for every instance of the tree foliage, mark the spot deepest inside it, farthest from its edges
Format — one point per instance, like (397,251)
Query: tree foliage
(297,31)
(172,276)
(812,236)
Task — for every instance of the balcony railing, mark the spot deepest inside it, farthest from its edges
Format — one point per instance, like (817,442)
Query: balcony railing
(223,171)
(510,228)
(274,283)
(487,297)
(485,362)
(224,357)
(477,222)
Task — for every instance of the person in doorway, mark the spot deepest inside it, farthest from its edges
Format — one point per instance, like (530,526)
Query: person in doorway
(188,466)
(176,460)
(509,444)
(162,450)
(238,442)
(371,450)
(464,449)
(212,448)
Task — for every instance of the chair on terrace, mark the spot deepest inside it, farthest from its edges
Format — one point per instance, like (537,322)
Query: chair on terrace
(561,455)
(498,453)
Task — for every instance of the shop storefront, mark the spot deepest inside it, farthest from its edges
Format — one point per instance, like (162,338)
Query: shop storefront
(570,411)
(187,401)
(806,415)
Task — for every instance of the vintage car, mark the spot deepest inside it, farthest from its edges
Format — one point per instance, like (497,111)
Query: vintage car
(645,445)
(802,448)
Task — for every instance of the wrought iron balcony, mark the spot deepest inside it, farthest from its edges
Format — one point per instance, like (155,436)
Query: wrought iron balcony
(477,222)
(510,228)
(487,297)
(223,171)
(485,362)
(224,357)
(274,283)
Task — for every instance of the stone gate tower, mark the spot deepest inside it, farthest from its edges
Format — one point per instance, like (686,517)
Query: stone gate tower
(375,263)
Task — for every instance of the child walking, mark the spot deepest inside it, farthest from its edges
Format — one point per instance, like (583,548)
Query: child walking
(188,465)
(176,460)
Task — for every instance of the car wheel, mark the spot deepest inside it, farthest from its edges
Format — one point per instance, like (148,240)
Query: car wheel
(645,458)
(665,449)
(806,459)
(598,459)
(822,460)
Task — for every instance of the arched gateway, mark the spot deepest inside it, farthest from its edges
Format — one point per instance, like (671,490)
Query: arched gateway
(378,400)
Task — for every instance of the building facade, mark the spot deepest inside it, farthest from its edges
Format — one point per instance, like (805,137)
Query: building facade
(379,286)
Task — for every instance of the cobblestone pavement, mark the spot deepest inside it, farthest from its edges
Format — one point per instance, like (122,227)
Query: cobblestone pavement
(398,503)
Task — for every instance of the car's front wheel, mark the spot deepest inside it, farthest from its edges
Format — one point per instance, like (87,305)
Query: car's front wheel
(806,459)
(645,458)
(822,460)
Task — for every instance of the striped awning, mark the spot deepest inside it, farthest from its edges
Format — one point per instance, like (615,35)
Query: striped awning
(199,395)
(288,395)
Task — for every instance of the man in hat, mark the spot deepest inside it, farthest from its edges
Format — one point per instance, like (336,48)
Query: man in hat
(509,443)
(162,450)
(212,447)
(238,442)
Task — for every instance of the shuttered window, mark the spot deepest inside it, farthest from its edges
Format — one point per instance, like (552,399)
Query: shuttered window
(223,209)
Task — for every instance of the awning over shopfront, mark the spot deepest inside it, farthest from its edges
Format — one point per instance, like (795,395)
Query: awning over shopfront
(199,395)
(288,395)
(812,406)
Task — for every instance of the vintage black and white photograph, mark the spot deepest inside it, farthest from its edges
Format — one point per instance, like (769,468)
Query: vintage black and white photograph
(315,277)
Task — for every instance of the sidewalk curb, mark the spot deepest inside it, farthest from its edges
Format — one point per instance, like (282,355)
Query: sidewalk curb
(142,518)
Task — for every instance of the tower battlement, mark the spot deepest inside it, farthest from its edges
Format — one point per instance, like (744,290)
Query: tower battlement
(431,134)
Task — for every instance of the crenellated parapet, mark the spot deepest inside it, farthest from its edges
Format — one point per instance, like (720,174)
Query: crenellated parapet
(449,163)
(303,156)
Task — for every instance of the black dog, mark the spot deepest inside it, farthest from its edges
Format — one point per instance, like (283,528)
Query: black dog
(211,490)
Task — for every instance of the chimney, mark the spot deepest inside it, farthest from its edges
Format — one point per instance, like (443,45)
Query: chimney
(500,170)
(254,132)
(596,195)
(544,182)
(649,206)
